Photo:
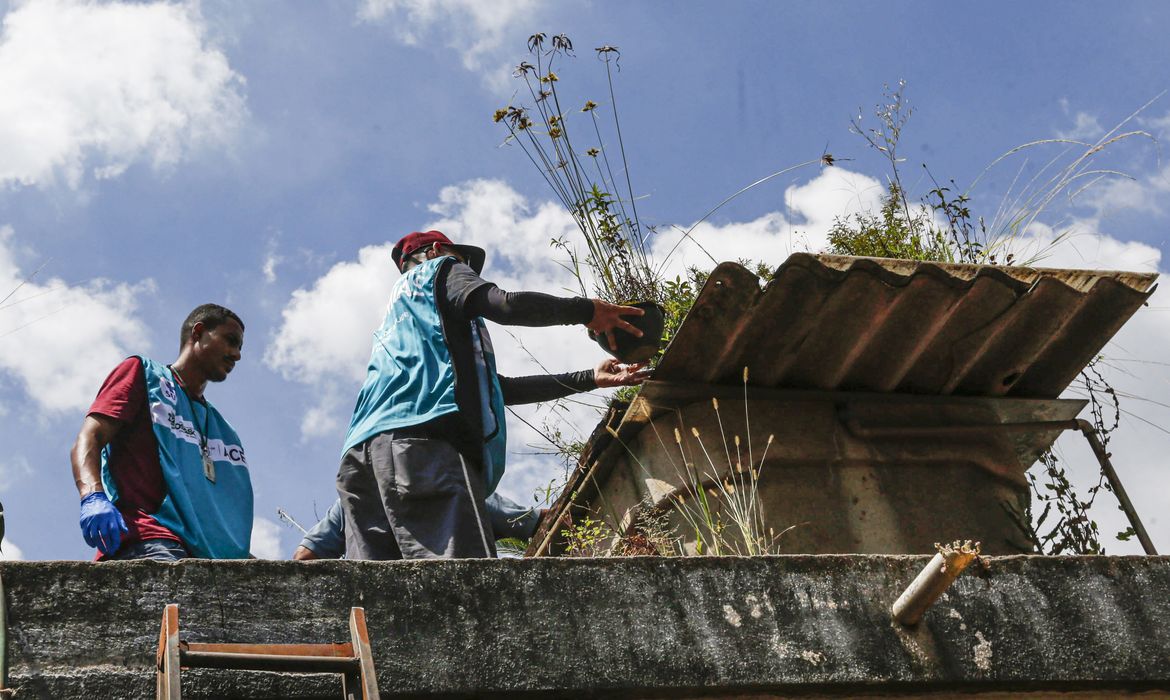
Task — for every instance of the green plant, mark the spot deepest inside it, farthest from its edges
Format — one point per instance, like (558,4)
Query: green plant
(650,533)
(889,234)
(1074,531)
(588,538)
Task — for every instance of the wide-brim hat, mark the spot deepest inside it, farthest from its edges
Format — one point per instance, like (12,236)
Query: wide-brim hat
(413,242)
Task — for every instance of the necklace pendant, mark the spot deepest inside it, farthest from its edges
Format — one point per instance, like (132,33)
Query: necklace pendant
(208,467)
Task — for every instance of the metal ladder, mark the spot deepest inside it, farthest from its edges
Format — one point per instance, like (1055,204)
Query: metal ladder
(352,659)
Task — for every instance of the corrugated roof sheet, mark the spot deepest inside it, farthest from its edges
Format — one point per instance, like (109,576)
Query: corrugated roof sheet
(840,323)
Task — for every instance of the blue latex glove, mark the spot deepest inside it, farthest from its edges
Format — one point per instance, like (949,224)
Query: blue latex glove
(101,523)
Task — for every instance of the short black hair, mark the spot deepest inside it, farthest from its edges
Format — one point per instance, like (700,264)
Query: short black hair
(210,315)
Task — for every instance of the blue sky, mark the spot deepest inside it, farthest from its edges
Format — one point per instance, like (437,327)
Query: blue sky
(154,156)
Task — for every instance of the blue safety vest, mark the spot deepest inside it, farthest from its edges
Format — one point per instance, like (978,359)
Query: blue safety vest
(213,518)
(411,377)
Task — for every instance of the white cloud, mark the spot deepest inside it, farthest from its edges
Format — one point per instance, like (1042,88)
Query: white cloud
(266,540)
(1158,125)
(59,341)
(326,331)
(802,226)
(98,86)
(272,258)
(473,28)
(1143,194)
(11,552)
(1082,246)
(517,236)
(1085,128)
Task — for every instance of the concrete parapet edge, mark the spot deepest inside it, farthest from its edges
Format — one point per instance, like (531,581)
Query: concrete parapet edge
(633,627)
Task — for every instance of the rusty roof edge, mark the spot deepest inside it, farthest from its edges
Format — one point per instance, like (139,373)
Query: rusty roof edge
(895,273)
(896,269)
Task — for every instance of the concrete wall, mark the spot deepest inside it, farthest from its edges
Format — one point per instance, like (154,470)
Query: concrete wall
(830,489)
(638,627)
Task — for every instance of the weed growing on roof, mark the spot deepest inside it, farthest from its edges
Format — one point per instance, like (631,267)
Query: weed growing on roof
(600,199)
(581,154)
(941,225)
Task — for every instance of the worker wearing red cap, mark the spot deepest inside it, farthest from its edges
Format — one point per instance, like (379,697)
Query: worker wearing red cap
(426,443)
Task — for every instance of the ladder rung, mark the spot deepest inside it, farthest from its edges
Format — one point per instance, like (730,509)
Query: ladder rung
(268,662)
(335,649)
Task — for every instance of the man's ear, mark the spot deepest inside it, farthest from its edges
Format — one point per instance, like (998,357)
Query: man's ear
(197,332)
(434,251)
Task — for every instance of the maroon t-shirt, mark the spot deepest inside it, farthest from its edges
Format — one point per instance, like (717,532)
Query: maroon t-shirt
(133,462)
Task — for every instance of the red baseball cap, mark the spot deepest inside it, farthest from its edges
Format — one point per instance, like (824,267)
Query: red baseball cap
(413,242)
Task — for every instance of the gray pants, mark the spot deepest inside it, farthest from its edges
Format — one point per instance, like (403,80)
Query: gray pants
(411,497)
(155,549)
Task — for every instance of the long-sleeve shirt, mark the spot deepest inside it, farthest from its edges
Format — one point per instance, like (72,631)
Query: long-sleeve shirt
(326,539)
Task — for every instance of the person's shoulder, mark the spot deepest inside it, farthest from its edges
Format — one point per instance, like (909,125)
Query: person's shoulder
(132,362)
(457,267)
(127,370)
(460,273)
(121,392)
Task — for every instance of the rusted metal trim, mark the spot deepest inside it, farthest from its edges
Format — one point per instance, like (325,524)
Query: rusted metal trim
(364,656)
(168,686)
(353,660)
(1102,456)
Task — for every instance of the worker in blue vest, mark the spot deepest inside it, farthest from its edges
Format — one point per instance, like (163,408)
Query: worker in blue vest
(160,472)
(426,442)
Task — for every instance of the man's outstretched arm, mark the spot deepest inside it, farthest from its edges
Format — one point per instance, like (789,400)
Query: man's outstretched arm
(474,296)
(549,387)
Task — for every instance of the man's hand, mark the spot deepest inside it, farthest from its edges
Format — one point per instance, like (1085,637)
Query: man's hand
(101,523)
(607,317)
(303,553)
(612,373)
